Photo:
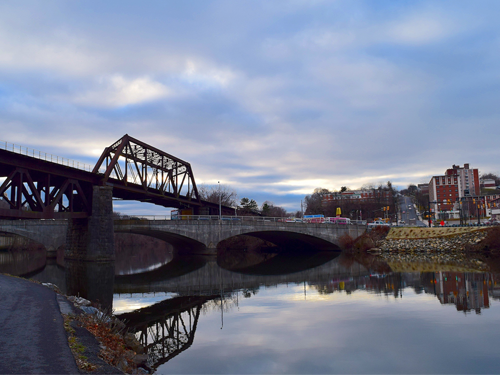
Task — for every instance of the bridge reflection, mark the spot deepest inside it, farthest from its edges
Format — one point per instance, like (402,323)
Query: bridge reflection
(178,266)
(166,329)
(210,278)
(273,264)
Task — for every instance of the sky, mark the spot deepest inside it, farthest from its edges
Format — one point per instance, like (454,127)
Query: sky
(272,98)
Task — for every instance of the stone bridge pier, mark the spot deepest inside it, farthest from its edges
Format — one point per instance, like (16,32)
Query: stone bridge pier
(89,239)
(92,238)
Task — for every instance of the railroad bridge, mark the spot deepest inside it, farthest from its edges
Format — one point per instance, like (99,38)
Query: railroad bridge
(46,189)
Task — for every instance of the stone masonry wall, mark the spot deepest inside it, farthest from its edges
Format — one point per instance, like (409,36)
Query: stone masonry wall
(93,238)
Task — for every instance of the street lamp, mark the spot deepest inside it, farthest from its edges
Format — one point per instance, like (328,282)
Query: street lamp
(220,203)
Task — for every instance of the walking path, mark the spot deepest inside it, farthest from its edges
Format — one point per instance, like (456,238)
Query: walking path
(32,335)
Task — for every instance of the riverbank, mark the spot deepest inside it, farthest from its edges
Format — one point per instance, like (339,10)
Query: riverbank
(444,240)
(47,332)
(450,243)
(102,341)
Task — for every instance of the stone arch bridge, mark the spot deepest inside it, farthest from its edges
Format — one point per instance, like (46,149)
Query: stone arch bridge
(196,236)
(202,235)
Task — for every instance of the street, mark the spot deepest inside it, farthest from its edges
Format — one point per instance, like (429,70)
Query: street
(408,212)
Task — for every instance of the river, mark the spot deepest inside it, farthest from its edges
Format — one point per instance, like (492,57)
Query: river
(315,313)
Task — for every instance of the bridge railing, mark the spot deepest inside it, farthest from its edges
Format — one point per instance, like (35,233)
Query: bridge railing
(234,219)
(22,150)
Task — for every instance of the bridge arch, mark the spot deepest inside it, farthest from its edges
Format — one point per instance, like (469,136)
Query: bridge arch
(180,242)
(49,233)
(293,240)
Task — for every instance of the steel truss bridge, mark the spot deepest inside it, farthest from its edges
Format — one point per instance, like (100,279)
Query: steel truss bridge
(41,186)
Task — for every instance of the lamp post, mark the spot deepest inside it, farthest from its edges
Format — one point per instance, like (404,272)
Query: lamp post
(220,203)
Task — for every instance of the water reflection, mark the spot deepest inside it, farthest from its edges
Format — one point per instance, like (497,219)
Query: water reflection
(167,328)
(283,307)
(91,280)
(22,262)
(213,289)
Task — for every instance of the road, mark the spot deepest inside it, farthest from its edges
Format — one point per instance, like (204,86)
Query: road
(408,212)
(33,339)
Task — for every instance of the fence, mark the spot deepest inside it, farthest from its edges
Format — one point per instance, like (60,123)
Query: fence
(7,146)
(227,219)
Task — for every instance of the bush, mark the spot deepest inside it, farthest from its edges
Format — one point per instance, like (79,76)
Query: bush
(346,242)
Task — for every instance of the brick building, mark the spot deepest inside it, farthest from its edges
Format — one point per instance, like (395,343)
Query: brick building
(456,183)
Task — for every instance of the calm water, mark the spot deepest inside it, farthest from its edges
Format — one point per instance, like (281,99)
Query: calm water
(324,313)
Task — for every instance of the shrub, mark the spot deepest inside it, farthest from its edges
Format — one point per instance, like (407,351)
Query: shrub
(346,242)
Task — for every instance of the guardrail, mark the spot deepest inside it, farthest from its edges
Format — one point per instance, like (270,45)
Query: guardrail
(229,219)
(22,150)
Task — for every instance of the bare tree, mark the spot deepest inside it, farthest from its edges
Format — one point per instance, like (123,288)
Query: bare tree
(215,193)
(314,202)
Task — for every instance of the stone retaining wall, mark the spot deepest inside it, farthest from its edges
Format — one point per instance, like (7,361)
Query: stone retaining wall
(455,243)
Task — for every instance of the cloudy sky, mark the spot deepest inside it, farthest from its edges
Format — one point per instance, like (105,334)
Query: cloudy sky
(273,98)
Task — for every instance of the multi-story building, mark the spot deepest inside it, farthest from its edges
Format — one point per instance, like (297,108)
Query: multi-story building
(468,291)
(457,182)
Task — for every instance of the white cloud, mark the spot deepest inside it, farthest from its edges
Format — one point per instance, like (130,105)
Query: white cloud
(196,73)
(117,91)
(421,29)
(273,97)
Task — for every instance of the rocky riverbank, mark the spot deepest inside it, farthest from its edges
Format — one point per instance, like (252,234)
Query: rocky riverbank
(99,342)
(450,244)
(468,251)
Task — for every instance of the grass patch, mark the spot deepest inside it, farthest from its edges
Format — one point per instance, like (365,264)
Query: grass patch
(76,347)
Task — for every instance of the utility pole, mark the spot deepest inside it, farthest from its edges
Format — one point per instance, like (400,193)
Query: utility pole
(478,212)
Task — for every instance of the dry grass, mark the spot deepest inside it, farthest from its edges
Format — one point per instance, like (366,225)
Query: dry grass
(77,348)
(424,233)
(110,336)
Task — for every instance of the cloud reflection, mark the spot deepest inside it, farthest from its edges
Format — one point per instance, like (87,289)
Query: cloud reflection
(277,331)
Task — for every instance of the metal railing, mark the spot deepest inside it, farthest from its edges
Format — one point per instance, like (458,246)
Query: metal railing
(235,219)
(18,149)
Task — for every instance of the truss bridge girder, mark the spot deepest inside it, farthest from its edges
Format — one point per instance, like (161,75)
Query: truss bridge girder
(33,189)
(141,169)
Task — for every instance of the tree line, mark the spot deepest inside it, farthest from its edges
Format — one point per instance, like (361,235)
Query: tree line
(227,196)
(367,208)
